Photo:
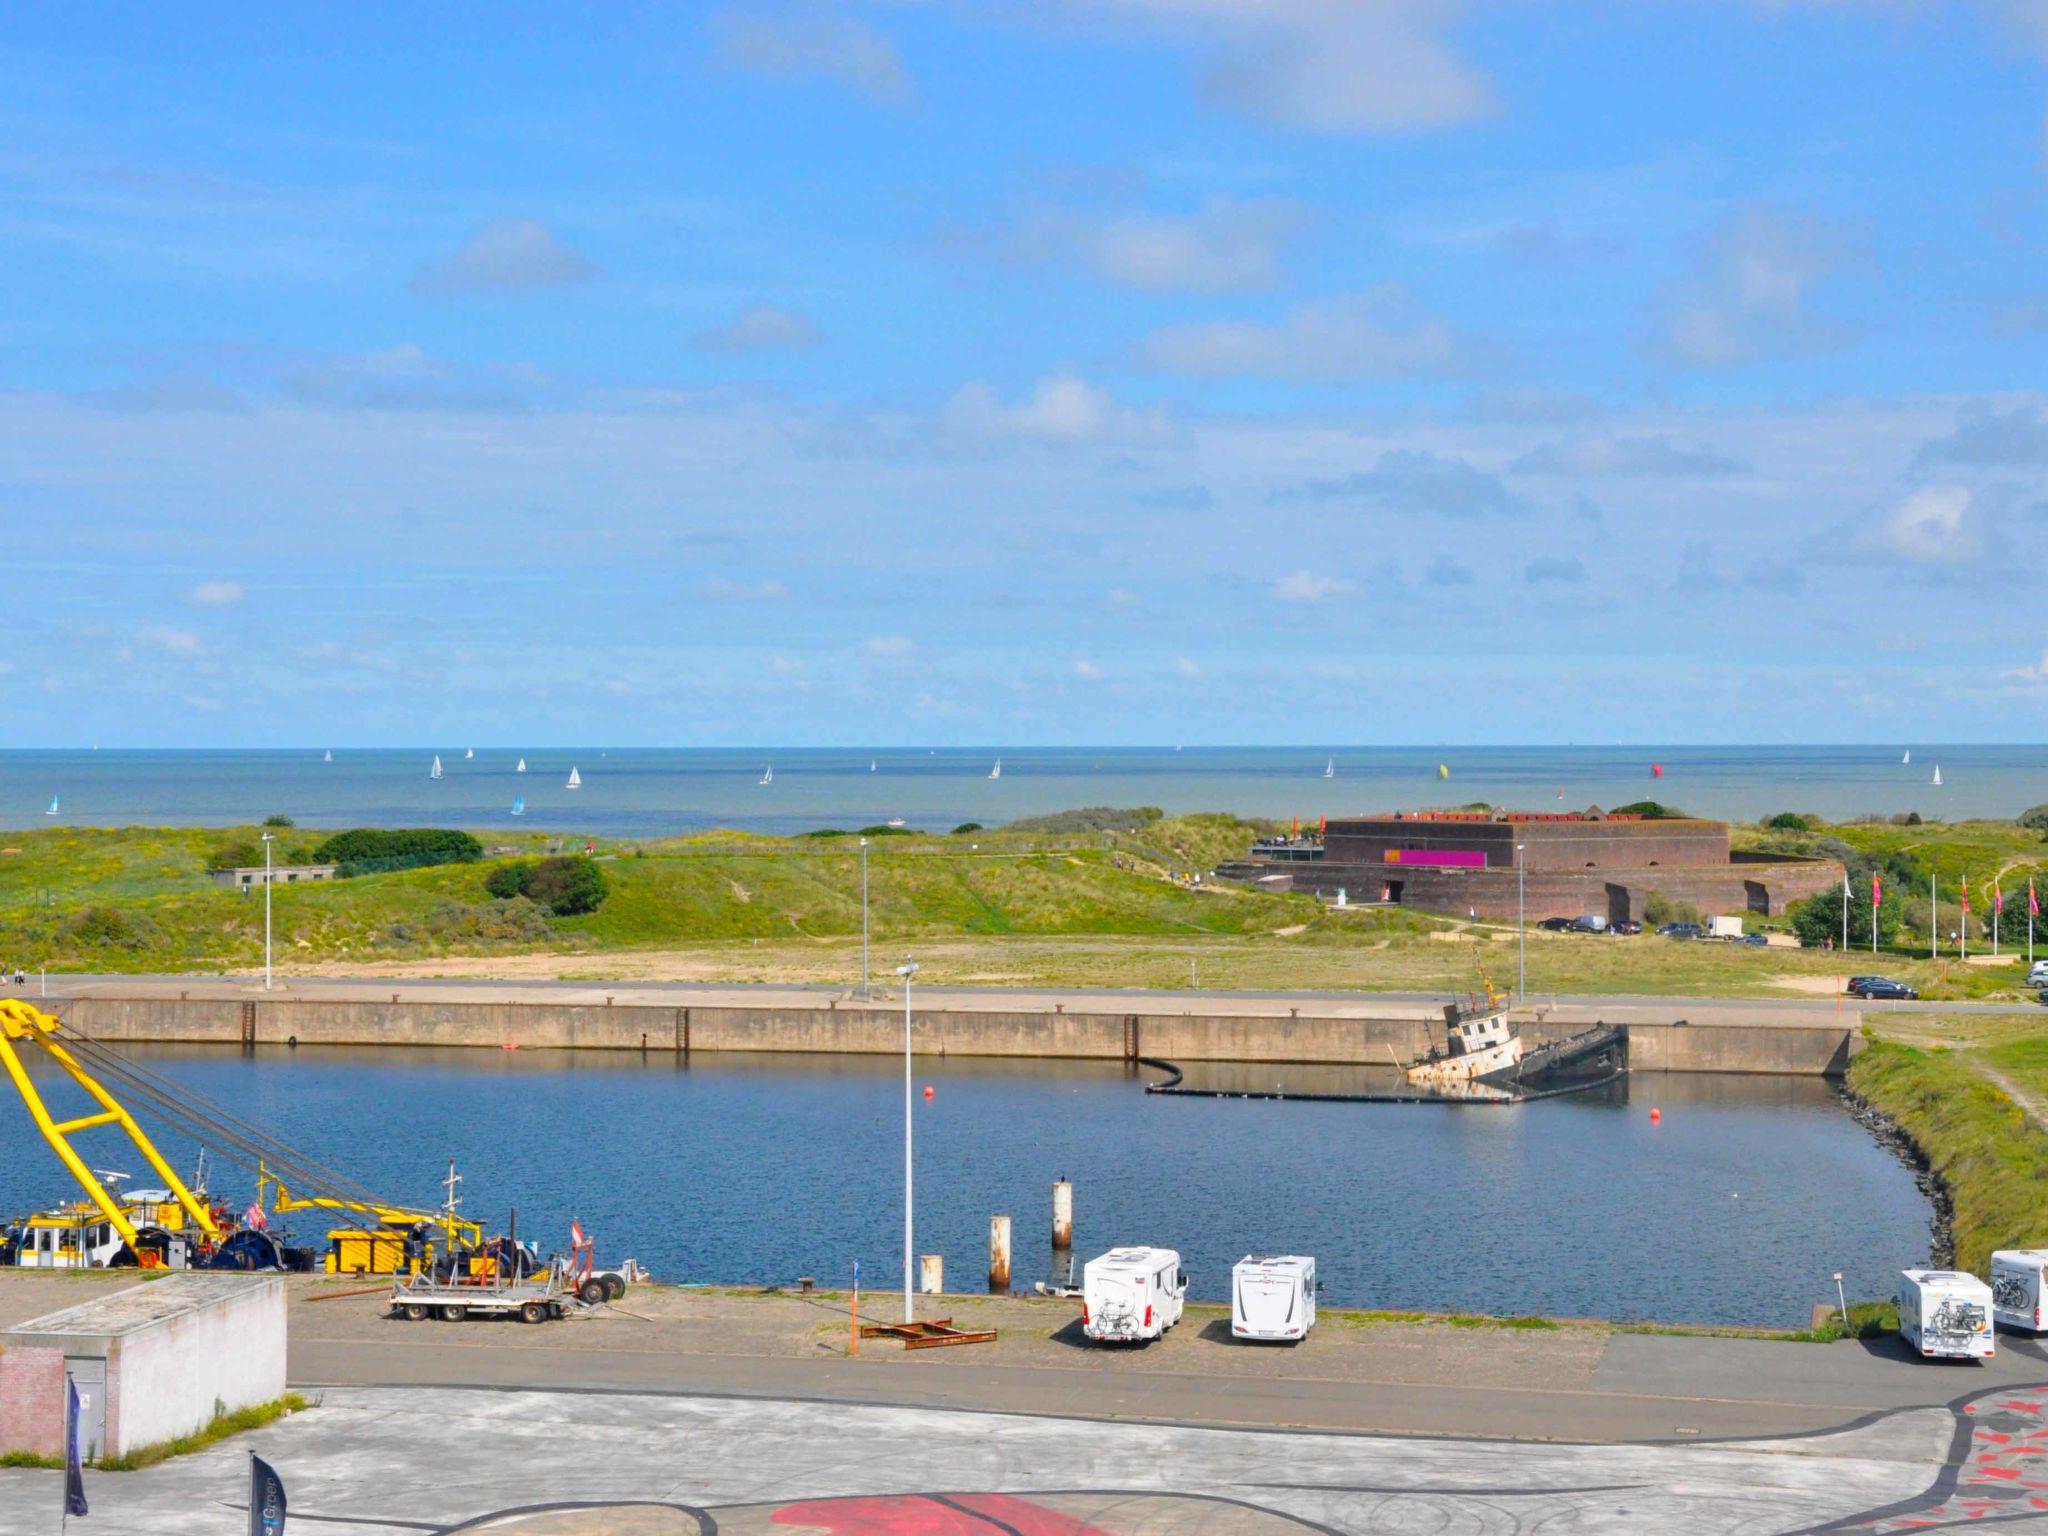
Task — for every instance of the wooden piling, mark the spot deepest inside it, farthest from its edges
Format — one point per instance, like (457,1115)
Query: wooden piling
(999,1255)
(1062,1215)
(931,1269)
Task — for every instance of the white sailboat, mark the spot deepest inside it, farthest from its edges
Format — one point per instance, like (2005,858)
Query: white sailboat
(997,771)
(1907,758)
(1937,775)
(522,766)
(768,774)
(871,765)
(575,778)
(1330,769)
(469,752)
(329,757)
(52,811)
(519,805)
(435,771)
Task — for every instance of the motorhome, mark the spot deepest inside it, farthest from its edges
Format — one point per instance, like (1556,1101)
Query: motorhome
(1273,1298)
(1945,1315)
(1130,1294)
(2017,1288)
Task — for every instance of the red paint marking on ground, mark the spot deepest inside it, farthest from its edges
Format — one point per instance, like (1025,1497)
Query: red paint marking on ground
(2003,1473)
(2017,1405)
(921,1515)
(1994,1437)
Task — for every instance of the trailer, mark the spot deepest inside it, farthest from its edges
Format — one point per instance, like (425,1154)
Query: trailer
(534,1299)
(2018,1287)
(1945,1315)
(1132,1294)
(1273,1298)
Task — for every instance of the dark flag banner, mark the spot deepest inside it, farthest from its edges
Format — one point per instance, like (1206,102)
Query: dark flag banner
(74,1480)
(266,1498)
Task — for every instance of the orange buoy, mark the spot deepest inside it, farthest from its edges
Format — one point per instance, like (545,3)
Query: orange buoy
(1656,1115)
(927,1090)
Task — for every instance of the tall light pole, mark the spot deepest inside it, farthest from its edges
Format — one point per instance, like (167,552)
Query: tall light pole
(863,919)
(267,839)
(907,970)
(1522,922)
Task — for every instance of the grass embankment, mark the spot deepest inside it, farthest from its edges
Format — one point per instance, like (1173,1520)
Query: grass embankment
(1065,901)
(1989,1153)
(219,1428)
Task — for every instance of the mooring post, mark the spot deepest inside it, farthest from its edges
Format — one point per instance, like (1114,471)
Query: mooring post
(1062,1215)
(999,1255)
(931,1268)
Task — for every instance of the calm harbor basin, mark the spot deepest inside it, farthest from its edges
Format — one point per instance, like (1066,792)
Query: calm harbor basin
(1733,1207)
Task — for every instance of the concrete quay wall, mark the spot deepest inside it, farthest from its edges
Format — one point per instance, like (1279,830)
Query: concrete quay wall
(1759,1039)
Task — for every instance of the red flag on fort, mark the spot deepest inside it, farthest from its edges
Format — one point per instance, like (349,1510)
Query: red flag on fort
(1323,825)
(1876,890)
(1297,826)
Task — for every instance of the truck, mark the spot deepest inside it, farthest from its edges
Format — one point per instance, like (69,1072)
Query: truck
(1273,1297)
(1724,927)
(1130,1295)
(2017,1287)
(1945,1315)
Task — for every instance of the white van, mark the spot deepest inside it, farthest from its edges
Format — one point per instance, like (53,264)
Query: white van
(1946,1315)
(1132,1293)
(2016,1287)
(1273,1298)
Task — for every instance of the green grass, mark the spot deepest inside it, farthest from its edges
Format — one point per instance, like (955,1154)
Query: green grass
(220,1428)
(1991,1155)
(31,1459)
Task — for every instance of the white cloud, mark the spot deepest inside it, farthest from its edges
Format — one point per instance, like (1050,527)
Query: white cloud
(1120,600)
(505,255)
(2036,673)
(1083,667)
(1328,66)
(182,644)
(1063,409)
(1746,298)
(216,594)
(891,645)
(1362,336)
(1308,587)
(1930,527)
(814,43)
(1564,569)
(1186,666)
(1653,456)
(724,588)
(784,664)
(761,328)
(1227,246)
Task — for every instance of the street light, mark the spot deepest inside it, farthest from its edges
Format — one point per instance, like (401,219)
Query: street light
(1844,1298)
(1522,923)
(907,970)
(267,839)
(863,919)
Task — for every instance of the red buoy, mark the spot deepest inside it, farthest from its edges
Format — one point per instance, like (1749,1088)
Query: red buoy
(1656,770)
(927,1090)
(1656,1115)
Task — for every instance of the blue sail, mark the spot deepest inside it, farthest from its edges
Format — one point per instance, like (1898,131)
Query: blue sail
(519,806)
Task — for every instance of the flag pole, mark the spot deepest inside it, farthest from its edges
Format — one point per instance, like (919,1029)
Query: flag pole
(1845,911)
(1933,915)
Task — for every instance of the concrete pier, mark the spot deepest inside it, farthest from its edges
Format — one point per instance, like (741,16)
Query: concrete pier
(1677,1036)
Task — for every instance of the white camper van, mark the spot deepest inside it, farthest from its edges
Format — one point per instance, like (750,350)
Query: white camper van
(2017,1299)
(1946,1315)
(1132,1293)
(1273,1298)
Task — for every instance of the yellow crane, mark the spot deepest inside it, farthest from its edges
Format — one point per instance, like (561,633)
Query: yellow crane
(378,1250)
(22,1025)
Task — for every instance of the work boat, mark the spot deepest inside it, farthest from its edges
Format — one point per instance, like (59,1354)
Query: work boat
(1478,1045)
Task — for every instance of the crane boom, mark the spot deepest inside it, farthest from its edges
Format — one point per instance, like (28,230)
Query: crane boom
(22,1024)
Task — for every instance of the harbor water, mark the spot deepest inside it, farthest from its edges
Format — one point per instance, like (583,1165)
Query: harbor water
(1733,1207)
(649,792)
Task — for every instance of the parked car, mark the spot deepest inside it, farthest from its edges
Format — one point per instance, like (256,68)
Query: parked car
(1682,931)
(1751,938)
(2037,974)
(1625,928)
(1590,922)
(1556,924)
(1881,987)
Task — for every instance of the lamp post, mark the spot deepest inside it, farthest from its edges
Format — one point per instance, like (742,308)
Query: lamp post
(1843,1297)
(907,970)
(268,837)
(864,920)
(1522,923)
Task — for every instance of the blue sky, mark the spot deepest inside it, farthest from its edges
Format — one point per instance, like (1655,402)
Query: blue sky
(1077,371)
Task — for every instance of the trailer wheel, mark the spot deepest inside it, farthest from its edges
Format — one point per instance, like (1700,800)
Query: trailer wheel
(533,1312)
(557,1310)
(614,1287)
(414,1311)
(454,1314)
(592,1291)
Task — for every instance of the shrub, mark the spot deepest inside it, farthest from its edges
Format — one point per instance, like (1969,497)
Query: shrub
(1819,919)
(881,831)
(826,832)
(367,850)
(2035,816)
(279,821)
(1659,909)
(966,827)
(566,887)
(1792,821)
(1649,810)
(235,856)
(105,927)
(1094,818)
